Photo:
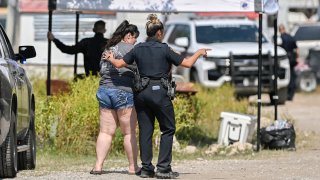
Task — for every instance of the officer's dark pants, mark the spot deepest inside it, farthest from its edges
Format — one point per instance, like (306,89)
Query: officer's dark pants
(154,103)
(292,84)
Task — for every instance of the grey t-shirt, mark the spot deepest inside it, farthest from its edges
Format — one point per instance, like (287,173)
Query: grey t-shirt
(111,76)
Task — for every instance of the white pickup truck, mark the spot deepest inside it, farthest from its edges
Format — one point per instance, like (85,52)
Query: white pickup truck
(234,55)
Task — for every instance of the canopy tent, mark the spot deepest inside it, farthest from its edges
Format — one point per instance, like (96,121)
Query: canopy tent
(161,6)
(174,6)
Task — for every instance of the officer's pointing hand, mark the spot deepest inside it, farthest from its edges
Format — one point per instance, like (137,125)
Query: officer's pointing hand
(203,51)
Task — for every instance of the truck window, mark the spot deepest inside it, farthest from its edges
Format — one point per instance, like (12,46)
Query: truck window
(305,33)
(166,27)
(227,33)
(180,30)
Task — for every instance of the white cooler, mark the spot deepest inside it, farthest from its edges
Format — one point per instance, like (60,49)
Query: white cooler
(236,127)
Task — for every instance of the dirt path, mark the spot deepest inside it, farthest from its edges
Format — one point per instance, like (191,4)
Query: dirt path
(301,164)
(305,110)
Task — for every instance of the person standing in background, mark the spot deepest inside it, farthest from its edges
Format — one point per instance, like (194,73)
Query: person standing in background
(290,45)
(92,48)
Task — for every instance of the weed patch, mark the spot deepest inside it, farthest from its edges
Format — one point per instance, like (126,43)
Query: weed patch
(70,121)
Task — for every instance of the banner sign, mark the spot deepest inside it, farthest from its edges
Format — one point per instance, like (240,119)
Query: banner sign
(160,5)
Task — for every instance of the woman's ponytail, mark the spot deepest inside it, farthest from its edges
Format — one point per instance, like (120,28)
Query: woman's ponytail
(118,34)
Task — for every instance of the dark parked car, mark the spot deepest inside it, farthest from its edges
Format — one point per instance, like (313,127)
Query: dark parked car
(17,103)
(307,37)
(313,60)
(308,41)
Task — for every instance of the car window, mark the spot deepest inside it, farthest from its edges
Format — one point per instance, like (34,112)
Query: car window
(1,50)
(7,50)
(180,30)
(166,27)
(305,33)
(227,33)
(3,22)
(2,45)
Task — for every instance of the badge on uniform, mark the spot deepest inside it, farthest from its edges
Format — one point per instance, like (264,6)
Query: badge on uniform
(155,88)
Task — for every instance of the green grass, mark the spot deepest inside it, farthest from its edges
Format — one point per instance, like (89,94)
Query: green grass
(69,122)
(197,124)
(215,101)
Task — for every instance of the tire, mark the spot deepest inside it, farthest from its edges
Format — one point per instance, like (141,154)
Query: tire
(307,81)
(8,152)
(282,94)
(27,159)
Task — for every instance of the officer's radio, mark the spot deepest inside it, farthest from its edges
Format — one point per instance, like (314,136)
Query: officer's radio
(139,83)
(172,90)
(170,86)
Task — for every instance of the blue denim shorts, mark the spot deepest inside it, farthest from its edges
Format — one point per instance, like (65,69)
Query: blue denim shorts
(113,98)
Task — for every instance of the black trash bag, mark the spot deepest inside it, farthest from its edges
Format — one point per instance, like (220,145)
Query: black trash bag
(278,138)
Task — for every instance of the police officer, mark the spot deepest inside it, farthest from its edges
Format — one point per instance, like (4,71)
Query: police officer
(92,48)
(290,45)
(154,60)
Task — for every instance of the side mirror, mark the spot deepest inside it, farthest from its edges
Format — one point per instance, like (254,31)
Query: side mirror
(25,52)
(182,42)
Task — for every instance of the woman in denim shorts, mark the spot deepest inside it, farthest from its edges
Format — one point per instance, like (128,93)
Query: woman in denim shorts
(154,60)
(115,98)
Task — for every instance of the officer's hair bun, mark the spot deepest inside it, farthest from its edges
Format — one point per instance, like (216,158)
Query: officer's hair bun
(152,18)
(153,25)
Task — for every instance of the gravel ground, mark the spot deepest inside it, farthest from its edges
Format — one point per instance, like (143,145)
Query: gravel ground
(300,164)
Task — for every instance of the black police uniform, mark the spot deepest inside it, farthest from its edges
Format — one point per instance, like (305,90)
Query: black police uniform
(92,48)
(289,44)
(154,60)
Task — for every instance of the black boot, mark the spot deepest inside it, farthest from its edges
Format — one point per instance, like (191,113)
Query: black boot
(166,175)
(147,174)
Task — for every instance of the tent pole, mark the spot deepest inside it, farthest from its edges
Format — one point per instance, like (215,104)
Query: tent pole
(76,42)
(275,67)
(259,81)
(49,56)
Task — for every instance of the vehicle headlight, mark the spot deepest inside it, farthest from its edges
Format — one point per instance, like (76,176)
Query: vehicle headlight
(209,65)
(222,67)
(219,61)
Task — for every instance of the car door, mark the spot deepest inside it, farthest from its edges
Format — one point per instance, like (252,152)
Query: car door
(5,95)
(179,30)
(20,84)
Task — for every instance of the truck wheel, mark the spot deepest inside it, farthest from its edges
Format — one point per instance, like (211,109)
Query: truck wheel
(282,94)
(307,81)
(27,159)
(8,152)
